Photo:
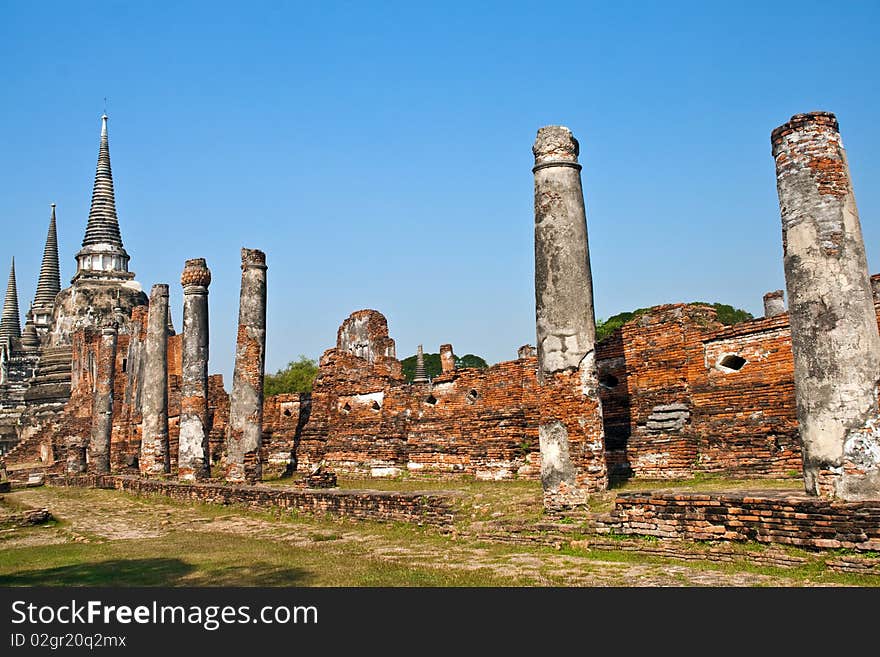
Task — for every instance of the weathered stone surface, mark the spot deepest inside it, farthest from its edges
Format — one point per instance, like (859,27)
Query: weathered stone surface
(102,414)
(245,429)
(193,460)
(774,303)
(570,432)
(154,456)
(447,358)
(835,341)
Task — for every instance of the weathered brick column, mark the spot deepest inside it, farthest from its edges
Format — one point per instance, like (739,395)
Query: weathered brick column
(102,410)
(774,303)
(244,431)
(76,456)
(830,304)
(570,430)
(447,358)
(192,460)
(155,458)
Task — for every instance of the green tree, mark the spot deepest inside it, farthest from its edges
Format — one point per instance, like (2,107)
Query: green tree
(726,314)
(433,367)
(298,376)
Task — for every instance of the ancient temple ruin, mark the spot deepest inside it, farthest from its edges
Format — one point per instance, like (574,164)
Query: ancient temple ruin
(98,382)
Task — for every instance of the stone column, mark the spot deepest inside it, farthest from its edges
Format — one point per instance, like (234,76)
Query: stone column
(834,333)
(244,430)
(76,456)
(192,460)
(154,457)
(774,303)
(570,430)
(447,358)
(102,410)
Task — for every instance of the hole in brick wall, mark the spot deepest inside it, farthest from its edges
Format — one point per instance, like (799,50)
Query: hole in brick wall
(473,396)
(124,365)
(609,381)
(732,362)
(376,406)
(345,409)
(431,400)
(287,412)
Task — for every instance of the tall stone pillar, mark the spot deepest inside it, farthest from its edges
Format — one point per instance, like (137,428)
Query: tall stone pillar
(155,458)
(244,430)
(76,456)
(570,430)
(774,303)
(102,410)
(192,460)
(830,304)
(447,358)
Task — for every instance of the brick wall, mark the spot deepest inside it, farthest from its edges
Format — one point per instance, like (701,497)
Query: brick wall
(671,406)
(766,517)
(422,508)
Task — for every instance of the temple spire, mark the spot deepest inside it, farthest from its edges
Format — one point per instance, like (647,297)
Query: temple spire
(421,375)
(103,255)
(10,323)
(49,283)
(103,227)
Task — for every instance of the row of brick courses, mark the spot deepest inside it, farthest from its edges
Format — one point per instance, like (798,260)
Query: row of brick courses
(746,420)
(766,516)
(415,507)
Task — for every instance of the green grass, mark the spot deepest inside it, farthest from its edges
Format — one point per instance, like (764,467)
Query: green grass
(199,559)
(210,545)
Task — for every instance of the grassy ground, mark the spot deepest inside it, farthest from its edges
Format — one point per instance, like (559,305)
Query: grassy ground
(111,538)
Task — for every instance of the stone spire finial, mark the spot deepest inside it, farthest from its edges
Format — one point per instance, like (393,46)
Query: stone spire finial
(49,283)
(10,322)
(103,253)
(421,373)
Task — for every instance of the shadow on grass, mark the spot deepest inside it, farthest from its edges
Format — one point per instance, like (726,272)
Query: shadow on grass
(116,572)
(156,572)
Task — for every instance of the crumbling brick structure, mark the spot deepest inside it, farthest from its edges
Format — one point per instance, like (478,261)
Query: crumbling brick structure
(681,394)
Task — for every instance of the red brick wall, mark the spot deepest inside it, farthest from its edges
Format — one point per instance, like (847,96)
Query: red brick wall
(670,409)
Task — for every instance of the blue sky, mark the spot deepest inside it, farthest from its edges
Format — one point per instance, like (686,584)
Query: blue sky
(380,153)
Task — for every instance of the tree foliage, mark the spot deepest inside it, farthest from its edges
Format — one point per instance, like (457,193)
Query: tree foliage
(726,314)
(433,367)
(298,376)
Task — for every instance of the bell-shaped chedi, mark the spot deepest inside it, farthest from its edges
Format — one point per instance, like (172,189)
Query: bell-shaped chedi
(103,287)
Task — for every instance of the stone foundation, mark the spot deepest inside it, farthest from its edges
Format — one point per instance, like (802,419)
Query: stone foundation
(766,517)
(420,508)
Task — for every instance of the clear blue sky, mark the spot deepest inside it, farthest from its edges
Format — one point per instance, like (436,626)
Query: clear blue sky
(380,153)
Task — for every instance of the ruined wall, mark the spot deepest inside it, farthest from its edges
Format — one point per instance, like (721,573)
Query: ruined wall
(684,394)
(744,412)
(676,402)
(364,419)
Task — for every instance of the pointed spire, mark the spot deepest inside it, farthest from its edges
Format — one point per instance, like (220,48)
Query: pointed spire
(102,254)
(10,322)
(49,283)
(103,226)
(421,375)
